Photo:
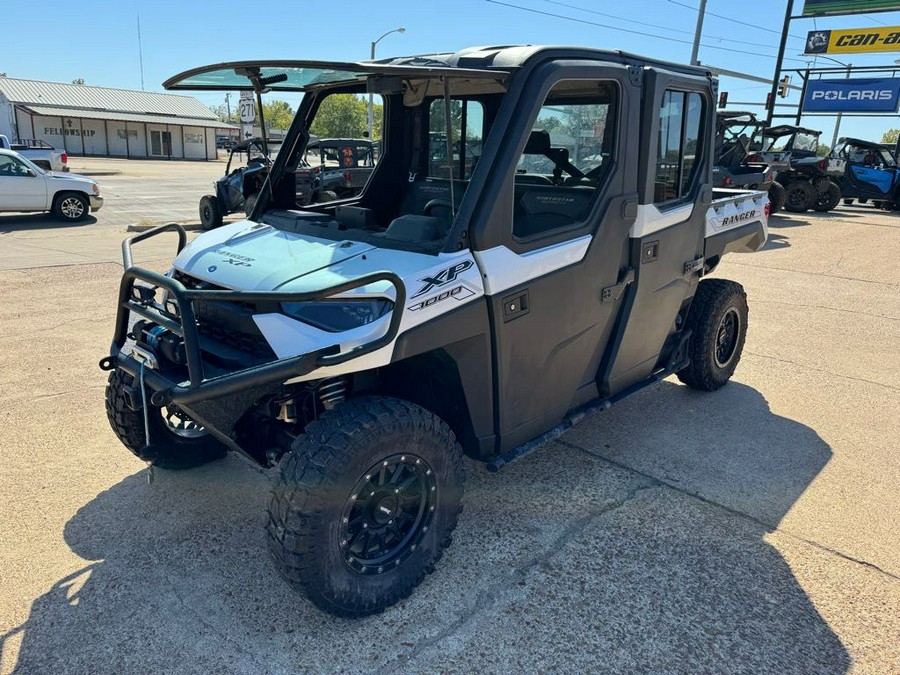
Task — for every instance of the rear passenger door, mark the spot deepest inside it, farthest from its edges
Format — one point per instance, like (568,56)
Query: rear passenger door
(554,245)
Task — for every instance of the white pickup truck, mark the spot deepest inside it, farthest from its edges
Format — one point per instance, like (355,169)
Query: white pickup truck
(24,186)
(40,152)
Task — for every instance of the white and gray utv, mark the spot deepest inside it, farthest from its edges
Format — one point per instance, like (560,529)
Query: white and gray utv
(529,247)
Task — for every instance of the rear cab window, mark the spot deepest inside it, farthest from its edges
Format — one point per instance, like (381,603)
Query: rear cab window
(678,145)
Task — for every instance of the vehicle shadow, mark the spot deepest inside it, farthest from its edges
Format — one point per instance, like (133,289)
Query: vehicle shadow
(39,221)
(652,579)
(775,241)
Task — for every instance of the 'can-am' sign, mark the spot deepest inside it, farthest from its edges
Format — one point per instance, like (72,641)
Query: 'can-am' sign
(859,95)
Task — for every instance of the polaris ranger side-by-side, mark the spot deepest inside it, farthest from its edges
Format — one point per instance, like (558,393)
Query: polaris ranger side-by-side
(363,346)
(736,133)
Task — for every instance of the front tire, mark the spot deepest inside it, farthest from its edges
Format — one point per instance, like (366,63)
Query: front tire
(210,213)
(364,504)
(799,196)
(176,442)
(71,207)
(829,198)
(718,323)
(249,203)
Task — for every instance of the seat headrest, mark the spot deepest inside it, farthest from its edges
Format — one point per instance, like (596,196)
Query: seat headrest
(538,143)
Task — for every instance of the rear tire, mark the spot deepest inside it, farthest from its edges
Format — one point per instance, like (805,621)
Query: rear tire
(718,323)
(776,198)
(71,206)
(175,441)
(335,499)
(799,196)
(829,198)
(210,213)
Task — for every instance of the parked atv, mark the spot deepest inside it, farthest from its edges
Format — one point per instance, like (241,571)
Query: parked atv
(868,172)
(361,348)
(334,168)
(735,134)
(791,152)
(237,189)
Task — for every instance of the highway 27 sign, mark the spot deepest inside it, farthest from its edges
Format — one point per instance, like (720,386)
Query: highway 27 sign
(862,95)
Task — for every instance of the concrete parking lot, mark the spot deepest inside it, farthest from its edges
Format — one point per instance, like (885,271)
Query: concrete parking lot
(755,529)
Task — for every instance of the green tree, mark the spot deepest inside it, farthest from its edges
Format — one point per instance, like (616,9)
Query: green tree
(279,114)
(890,136)
(822,150)
(220,111)
(344,116)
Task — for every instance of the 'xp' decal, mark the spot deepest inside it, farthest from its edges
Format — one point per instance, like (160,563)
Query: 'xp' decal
(443,277)
(457,293)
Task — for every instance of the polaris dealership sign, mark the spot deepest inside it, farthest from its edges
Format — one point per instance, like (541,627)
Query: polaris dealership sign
(860,95)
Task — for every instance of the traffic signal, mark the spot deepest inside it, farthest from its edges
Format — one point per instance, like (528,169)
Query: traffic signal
(769,101)
(723,99)
(783,87)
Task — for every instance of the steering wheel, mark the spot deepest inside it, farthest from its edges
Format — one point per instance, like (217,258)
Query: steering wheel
(437,204)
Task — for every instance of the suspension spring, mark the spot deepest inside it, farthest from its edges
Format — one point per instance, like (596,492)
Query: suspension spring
(332,391)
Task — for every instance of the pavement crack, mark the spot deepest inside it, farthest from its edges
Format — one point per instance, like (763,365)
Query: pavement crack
(826,308)
(44,397)
(487,598)
(822,370)
(815,274)
(772,527)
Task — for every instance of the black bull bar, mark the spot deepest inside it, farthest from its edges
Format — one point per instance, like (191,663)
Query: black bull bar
(198,388)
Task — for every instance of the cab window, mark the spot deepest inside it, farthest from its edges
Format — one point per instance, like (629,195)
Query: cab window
(467,129)
(679,144)
(567,157)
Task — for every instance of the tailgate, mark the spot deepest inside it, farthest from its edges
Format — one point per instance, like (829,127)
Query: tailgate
(737,222)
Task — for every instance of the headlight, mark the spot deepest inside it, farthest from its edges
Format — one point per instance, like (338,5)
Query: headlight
(96,189)
(336,316)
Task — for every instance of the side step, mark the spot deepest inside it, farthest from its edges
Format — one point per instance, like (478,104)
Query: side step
(679,361)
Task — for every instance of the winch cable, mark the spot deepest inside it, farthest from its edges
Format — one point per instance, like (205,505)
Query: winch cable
(449,130)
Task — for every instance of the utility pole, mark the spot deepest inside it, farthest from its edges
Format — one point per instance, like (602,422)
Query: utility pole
(140,49)
(228,105)
(701,12)
(837,122)
(788,13)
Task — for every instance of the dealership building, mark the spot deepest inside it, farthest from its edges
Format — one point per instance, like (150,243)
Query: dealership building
(104,122)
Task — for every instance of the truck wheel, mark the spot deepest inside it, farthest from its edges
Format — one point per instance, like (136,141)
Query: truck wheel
(249,203)
(176,441)
(718,323)
(210,214)
(799,196)
(829,198)
(776,198)
(326,196)
(364,504)
(71,206)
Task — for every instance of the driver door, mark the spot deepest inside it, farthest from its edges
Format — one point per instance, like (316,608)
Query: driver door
(21,189)
(872,171)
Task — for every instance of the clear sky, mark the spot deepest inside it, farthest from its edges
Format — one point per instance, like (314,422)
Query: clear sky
(97,39)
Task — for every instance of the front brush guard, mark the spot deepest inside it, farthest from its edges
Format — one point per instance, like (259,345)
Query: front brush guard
(198,388)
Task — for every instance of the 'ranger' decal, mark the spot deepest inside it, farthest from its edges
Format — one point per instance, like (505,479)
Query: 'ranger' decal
(739,218)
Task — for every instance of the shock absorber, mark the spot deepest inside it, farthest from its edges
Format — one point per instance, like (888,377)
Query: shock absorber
(332,390)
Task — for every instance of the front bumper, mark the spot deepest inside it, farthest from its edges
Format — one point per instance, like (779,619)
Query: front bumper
(201,384)
(96,202)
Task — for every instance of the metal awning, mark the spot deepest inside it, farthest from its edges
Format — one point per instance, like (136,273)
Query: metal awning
(114,116)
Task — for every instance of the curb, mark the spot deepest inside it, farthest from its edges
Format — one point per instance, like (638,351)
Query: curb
(143,227)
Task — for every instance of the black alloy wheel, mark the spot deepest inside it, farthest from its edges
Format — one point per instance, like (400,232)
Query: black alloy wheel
(387,513)
(727,337)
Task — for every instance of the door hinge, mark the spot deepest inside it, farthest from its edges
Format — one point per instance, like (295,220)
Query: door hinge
(612,293)
(694,265)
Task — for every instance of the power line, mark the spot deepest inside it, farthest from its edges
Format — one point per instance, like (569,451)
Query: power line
(634,32)
(732,20)
(656,25)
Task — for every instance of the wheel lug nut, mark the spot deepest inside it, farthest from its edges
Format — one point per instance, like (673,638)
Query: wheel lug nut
(385,464)
(346,521)
(365,526)
(390,522)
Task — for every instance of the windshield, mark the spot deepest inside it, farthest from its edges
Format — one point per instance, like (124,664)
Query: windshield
(281,78)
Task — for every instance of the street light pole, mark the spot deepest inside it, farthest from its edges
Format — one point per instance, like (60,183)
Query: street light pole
(837,121)
(370,118)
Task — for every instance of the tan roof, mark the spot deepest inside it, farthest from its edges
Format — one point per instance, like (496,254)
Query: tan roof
(85,97)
